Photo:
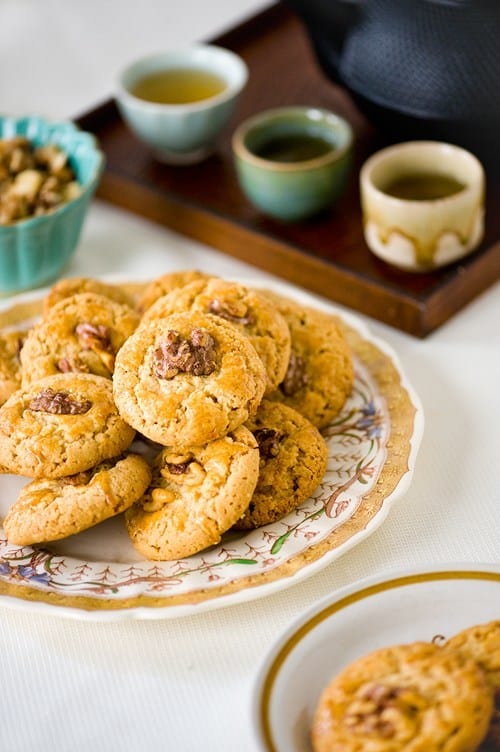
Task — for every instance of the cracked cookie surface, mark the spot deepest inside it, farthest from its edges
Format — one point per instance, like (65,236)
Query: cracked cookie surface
(50,509)
(408,697)
(187,379)
(61,425)
(194,497)
(320,371)
(80,334)
(251,313)
(293,457)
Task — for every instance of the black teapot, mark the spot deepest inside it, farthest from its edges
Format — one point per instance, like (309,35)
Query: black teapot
(416,68)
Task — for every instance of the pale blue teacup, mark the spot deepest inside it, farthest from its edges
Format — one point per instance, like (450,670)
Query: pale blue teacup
(178,131)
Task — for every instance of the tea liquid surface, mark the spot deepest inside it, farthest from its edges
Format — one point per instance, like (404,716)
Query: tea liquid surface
(178,86)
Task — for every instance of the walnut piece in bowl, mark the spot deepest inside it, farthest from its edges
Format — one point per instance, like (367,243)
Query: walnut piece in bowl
(48,175)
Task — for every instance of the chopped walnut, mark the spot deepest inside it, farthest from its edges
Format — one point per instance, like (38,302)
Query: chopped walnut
(79,479)
(157,500)
(382,709)
(268,440)
(295,377)
(96,337)
(33,181)
(176,354)
(58,403)
(66,365)
(232,310)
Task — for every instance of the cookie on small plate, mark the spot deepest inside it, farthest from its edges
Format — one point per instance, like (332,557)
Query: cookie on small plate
(163,285)
(246,309)
(66,288)
(187,379)
(11,343)
(80,334)
(320,371)
(61,425)
(52,508)
(293,457)
(482,644)
(408,697)
(194,497)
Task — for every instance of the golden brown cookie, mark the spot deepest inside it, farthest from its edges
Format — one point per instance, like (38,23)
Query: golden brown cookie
(293,457)
(11,343)
(187,379)
(61,425)
(482,644)
(246,309)
(66,288)
(49,509)
(320,372)
(194,497)
(80,334)
(416,698)
(165,284)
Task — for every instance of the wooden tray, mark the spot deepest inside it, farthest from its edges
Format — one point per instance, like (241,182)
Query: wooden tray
(327,255)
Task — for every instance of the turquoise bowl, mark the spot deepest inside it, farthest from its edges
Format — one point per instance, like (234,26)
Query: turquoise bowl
(291,191)
(34,251)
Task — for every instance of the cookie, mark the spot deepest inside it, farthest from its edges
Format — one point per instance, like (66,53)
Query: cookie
(61,425)
(408,697)
(320,371)
(482,644)
(11,343)
(293,457)
(80,334)
(187,379)
(194,497)
(246,309)
(52,508)
(161,286)
(66,288)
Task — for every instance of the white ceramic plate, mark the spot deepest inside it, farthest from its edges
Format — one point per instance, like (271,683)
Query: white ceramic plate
(98,574)
(351,623)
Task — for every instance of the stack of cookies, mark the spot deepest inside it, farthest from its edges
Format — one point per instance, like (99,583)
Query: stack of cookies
(419,696)
(227,387)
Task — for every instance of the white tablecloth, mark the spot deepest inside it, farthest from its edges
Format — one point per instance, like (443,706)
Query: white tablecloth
(186,684)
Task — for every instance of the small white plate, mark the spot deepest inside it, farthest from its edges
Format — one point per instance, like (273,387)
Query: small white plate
(354,621)
(97,574)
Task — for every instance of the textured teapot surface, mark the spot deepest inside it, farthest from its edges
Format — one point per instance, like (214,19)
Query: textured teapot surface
(428,67)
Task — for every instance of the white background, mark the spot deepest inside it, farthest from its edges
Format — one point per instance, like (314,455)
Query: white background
(186,684)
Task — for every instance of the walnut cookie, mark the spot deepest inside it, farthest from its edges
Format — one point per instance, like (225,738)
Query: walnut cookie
(293,457)
(407,697)
(194,497)
(161,286)
(61,425)
(320,372)
(246,309)
(11,343)
(66,288)
(80,334)
(482,644)
(187,379)
(49,509)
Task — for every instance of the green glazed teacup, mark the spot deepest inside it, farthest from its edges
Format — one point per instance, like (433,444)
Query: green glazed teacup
(293,162)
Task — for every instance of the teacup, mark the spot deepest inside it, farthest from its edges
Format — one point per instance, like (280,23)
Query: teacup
(423,204)
(177,102)
(293,162)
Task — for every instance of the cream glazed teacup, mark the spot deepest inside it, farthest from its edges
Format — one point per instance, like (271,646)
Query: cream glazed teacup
(423,232)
